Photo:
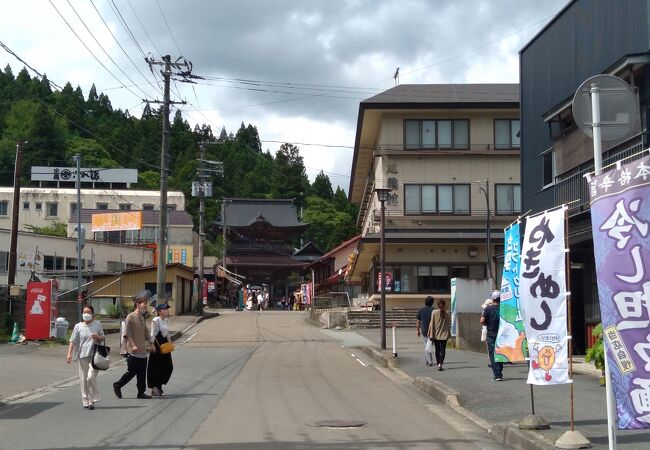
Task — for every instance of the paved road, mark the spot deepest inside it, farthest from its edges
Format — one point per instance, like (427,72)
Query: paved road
(247,380)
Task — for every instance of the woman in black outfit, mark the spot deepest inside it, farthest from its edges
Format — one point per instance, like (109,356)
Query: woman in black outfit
(160,365)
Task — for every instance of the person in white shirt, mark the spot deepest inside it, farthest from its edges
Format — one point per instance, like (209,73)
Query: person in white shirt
(84,335)
(160,365)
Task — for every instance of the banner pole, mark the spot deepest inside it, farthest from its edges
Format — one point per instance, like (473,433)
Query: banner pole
(609,396)
(571,438)
(532,400)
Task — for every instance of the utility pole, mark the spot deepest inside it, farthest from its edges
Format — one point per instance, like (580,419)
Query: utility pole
(77,159)
(164,169)
(203,189)
(15,211)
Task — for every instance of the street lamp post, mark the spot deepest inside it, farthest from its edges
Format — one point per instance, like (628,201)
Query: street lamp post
(488,257)
(382,196)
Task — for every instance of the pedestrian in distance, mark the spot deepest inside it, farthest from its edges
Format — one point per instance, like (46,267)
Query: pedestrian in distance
(439,332)
(160,367)
(138,347)
(422,327)
(485,304)
(82,341)
(292,300)
(490,318)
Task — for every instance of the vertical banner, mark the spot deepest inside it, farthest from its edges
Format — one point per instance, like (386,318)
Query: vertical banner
(511,338)
(620,215)
(542,290)
(454,323)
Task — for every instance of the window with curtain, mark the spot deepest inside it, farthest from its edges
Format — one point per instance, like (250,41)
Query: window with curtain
(436,134)
(436,199)
(508,198)
(506,133)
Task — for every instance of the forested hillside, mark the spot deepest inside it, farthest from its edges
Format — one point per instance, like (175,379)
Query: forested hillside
(60,124)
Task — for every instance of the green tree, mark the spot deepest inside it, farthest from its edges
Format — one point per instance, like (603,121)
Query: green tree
(56,229)
(322,187)
(289,177)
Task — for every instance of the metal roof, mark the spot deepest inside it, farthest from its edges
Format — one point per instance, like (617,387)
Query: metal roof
(448,93)
(244,212)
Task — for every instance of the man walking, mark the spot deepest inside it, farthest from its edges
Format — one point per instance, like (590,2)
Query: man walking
(490,318)
(138,346)
(422,326)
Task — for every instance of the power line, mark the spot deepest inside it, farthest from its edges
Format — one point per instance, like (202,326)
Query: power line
(123,50)
(87,48)
(11,52)
(104,50)
(170,30)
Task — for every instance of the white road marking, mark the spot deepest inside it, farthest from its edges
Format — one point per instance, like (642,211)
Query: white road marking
(353,355)
(189,338)
(362,363)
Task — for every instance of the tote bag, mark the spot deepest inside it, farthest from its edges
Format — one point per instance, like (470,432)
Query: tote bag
(101,356)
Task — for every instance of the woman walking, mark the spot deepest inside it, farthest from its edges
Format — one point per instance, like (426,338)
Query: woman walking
(84,335)
(160,365)
(439,332)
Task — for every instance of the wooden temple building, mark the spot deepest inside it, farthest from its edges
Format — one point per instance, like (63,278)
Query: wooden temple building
(263,243)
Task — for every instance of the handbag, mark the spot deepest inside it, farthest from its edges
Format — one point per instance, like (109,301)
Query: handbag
(101,356)
(429,347)
(167,347)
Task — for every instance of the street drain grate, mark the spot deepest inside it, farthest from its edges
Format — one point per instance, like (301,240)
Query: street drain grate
(339,424)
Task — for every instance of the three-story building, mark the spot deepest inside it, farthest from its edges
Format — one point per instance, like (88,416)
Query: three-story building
(443,150)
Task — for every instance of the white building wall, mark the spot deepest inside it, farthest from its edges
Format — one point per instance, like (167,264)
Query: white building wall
(31,197)
(33,248)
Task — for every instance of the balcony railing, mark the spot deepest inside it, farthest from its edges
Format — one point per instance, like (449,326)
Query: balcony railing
(574,189)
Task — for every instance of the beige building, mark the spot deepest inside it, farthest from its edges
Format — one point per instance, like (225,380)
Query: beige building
(42,207)
(442,150)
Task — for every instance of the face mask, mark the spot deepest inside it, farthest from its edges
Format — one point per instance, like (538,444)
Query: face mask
(87,317)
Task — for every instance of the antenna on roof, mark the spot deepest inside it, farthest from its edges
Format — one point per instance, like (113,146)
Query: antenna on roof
(396,77)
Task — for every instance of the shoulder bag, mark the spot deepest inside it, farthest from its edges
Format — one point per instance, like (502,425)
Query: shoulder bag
(101,355)
(166,347)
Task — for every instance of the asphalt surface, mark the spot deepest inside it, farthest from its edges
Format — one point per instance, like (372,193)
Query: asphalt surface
(244,380)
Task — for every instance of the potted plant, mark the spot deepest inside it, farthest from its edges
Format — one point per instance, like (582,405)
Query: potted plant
(597,353)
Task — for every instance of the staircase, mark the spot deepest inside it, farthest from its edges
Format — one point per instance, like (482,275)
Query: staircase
(371,319)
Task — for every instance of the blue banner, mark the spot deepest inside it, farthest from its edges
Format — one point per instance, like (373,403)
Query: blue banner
(511,338)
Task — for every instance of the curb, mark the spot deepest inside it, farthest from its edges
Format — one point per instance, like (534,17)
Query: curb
(506,434)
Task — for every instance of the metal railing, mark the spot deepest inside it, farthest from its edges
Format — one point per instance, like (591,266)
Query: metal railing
(574,189)
(331,300)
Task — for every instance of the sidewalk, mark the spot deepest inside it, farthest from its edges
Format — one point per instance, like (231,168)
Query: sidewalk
(26,369)
(495,405)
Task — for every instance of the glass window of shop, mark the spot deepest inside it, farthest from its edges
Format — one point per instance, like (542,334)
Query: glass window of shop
(424,278)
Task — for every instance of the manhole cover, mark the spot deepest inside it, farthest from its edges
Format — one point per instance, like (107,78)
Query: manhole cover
(339,424)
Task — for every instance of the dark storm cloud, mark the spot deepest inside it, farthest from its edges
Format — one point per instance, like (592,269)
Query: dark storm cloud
(339,43)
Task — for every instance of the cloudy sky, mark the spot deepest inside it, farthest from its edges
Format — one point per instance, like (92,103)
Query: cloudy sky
(297,69)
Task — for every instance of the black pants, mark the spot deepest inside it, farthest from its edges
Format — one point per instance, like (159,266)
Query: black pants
(441,347)
(135,367)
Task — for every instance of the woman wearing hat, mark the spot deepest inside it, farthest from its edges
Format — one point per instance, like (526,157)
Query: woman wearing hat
(160,365)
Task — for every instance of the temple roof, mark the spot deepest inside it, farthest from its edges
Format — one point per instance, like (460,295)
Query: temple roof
(240,212)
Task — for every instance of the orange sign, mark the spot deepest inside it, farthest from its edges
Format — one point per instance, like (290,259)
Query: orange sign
(131,220)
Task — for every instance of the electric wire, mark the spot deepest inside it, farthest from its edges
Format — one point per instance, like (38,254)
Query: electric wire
(103,49)
(12,53)
(170,30)
(90,51)
(123,50)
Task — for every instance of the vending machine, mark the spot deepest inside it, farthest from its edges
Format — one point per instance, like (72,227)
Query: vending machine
(41,309)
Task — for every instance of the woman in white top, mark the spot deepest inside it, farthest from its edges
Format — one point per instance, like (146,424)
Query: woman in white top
(160,367)
(84,335)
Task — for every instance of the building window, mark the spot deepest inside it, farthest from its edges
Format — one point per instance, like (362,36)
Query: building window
(26,206)
(548,168)
(38,206)
(508,198)
(53,262)
(147,207)
(4,262)
(101,206)
(125,207)
(436,199)
(73,209)
(4,208)
(436,134)
(506,133)
(52,209)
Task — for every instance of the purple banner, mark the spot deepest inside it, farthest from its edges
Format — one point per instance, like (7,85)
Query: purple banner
(620,218)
